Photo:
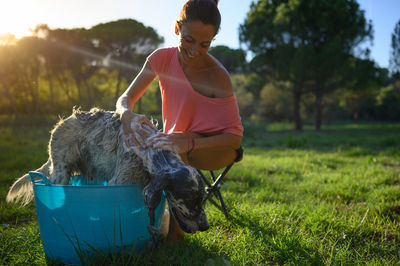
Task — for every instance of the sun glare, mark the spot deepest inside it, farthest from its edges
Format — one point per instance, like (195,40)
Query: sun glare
(17,17)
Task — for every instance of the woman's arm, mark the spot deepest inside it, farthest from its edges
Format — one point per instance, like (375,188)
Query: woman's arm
(135,90)
(198,150)
(126,102)
(206,151)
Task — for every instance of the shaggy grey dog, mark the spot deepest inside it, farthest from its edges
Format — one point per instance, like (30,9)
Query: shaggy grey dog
(92,144)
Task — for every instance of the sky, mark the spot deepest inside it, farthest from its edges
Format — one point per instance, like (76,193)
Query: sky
(18,16)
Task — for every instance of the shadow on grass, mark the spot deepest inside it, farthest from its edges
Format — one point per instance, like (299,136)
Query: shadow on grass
(183,253)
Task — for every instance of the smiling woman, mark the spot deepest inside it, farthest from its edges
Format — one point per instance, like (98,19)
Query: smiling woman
(201,120)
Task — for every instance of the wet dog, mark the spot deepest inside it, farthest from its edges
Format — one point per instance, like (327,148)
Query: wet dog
(92,144)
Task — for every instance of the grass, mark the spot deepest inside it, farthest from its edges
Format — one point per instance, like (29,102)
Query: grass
(329,197)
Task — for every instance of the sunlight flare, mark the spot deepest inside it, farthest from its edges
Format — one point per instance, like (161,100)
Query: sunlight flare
(17,18)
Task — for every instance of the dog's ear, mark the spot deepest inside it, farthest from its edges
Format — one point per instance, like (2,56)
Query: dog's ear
(153,191)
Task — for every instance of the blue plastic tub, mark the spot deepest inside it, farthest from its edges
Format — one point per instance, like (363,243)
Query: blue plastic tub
(76,219)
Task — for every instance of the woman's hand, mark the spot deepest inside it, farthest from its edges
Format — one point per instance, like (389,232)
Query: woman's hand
(133,130)
(178,143)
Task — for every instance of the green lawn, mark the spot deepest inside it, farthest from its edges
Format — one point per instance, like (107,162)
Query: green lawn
(329,197)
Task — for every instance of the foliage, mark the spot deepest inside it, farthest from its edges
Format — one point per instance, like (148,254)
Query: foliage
(394,61)
(276,103)
(234,60)
(388,102)
(150,103)
(59,68)
(247,89)
(328,197)
(361,81)
(292,44)
(124,43)
(56,69)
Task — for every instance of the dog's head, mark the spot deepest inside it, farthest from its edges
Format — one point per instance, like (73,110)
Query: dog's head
(185,194)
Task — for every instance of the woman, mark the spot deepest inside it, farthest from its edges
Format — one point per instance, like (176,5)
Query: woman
(200,115)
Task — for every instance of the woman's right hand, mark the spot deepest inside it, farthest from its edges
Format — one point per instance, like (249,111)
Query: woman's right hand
(132,126)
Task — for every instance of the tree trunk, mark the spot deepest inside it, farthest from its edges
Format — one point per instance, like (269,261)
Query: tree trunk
(89,91)
(64,84)
(51,86)
(37,95)
(355,117)
(28,89)
(355,114)
(9,96)
(318,109)
(78,85)
(116,96)
(296,109)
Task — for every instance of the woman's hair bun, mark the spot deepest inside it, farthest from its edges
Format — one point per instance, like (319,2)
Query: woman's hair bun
(205,11)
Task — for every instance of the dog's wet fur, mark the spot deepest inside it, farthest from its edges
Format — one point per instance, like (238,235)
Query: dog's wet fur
(93,145)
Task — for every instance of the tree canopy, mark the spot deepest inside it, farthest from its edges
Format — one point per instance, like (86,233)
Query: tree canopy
(306,61)
(394,61)
(58,68)
(234,60)
(305,42)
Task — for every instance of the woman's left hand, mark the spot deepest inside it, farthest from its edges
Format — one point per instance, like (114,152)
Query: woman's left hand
(169,142)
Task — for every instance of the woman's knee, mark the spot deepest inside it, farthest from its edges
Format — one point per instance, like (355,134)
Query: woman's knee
(211,159)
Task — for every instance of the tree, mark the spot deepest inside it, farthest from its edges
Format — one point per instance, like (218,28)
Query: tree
(247,88)
(362,80)
(394,61)
(72,56)
(234,60)
(68,62)
(7,76)
(306,42)
(276,104)
(56,69)
(388,102)
(244,88)
(125,44)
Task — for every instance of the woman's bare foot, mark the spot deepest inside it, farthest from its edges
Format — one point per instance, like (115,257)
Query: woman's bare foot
(170,230)
(164,225)
(175,233)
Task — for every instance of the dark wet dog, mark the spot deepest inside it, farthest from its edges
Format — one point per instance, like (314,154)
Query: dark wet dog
(92,144)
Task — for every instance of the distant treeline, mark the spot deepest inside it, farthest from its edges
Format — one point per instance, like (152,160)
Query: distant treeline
(307,66)
(56,69)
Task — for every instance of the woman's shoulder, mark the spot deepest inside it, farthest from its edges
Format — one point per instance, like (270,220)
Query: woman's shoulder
(160,59)
(163,52)
(219,78)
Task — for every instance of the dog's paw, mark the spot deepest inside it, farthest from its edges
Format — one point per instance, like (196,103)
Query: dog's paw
(155,237)
(152,230)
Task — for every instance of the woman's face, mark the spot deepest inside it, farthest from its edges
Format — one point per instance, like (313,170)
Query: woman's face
(194,40)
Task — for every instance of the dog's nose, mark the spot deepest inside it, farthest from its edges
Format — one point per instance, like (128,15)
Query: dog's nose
(181,173)
(204,225)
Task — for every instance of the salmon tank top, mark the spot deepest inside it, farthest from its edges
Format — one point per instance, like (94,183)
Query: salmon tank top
(186,110)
